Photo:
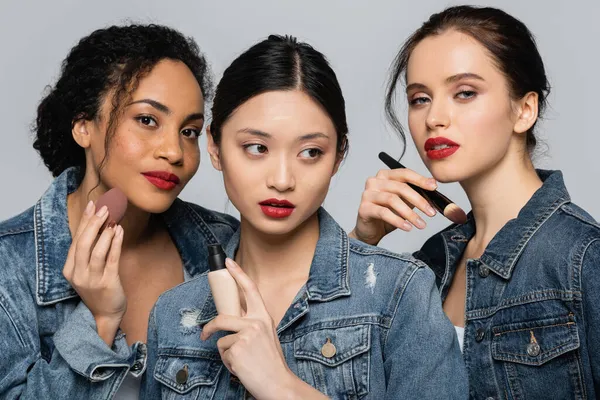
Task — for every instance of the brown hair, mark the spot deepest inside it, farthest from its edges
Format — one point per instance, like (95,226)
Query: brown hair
(509,42)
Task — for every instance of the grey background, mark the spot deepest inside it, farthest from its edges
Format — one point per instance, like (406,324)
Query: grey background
(359,38)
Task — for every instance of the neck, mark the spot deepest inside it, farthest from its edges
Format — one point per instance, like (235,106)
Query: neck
(499,194)
(137,224)
(276,258)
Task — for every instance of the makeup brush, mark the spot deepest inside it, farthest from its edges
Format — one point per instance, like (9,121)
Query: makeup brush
(440,202)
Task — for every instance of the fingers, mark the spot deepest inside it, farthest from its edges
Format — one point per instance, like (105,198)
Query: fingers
(70,262)
(223,322)
(88,237)
(99,253)
(254,301)
(407,176)
(114,255)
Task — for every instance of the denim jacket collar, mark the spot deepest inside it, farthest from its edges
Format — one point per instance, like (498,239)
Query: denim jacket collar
(502,253)
(328,276)
(53,237)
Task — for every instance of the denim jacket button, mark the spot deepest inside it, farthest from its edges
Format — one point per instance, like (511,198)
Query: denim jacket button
(533,349)
(484,271)
(328,350)
(480,334)
(182,375)
(136,366)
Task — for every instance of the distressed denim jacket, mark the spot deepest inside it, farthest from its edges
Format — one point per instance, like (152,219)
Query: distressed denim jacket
(381,312)
(532,300)
(49,347)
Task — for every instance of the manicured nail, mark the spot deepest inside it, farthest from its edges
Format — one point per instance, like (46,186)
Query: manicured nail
(406,226)
(420,223)
(432,184)
(430,211)
(111,224)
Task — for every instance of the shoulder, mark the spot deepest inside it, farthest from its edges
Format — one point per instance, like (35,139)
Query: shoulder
(189,295)
(19,224)
(570,228)
(213,218)
(372,265)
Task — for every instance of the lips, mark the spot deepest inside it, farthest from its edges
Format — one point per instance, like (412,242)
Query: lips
(275,208)
(440,147)
(162,179)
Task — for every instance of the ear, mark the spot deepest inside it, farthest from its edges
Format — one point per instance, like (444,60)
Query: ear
(213,150)
(527,112)
(341,155)
(81,132)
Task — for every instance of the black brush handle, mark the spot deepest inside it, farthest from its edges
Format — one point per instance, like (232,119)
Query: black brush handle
(435,198)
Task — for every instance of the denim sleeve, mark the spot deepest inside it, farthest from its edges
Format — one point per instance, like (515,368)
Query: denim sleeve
(591,299)
(80,366)
(421,352)
(150,388)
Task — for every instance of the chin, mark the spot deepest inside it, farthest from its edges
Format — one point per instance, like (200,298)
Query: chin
(152,203)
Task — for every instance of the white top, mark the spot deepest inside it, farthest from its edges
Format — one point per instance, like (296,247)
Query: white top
(460,332)
(130,388)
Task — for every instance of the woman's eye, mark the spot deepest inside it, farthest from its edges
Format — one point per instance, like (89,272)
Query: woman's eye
(146,120)
(255,149)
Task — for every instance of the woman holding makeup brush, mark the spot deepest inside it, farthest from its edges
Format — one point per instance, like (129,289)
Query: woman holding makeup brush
(519,279)
(125,113)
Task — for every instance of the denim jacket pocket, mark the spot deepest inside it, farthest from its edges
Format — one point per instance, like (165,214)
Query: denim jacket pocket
(335,361)
(540,358)
(187,374)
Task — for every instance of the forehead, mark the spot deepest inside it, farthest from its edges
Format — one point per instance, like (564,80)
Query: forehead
(439,56)
(281,113)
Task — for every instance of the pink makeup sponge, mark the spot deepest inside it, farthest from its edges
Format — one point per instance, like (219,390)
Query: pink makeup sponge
(116,201)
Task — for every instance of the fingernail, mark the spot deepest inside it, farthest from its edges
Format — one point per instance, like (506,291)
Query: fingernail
(430,211)
(407,226)
(229,262)
(102,211)
(432,183)
(111,224)
(420,223)
(89,208)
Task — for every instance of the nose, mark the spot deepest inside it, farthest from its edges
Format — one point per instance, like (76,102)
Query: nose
(438,115)
(281,174)
(170,148)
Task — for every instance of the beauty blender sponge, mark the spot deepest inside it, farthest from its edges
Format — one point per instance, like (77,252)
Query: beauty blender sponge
(116,202)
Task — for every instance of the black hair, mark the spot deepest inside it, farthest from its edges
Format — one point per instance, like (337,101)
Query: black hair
(511,45)
(280,63)
(110,60)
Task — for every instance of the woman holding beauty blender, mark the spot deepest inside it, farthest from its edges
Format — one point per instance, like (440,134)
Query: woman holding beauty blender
(321,316)
(519,279)
(125,113)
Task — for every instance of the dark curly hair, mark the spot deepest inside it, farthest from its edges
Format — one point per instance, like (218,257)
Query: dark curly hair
(112,59)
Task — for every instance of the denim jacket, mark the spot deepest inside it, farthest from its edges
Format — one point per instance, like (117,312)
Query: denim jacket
(532,300)
(380,310)
(49,347)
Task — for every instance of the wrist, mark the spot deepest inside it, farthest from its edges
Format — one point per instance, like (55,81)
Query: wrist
(294,388)
(107,328)
(368,240)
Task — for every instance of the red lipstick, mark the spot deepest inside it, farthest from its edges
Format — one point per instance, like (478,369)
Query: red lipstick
(440,147)
(162,179)
(276,208)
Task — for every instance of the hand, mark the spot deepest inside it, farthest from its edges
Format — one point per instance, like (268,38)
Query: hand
(253,352)
(387,203)
(92,268)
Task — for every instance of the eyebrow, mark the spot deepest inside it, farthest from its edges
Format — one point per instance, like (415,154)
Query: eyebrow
(450,79)
(308,136)
(166,110)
